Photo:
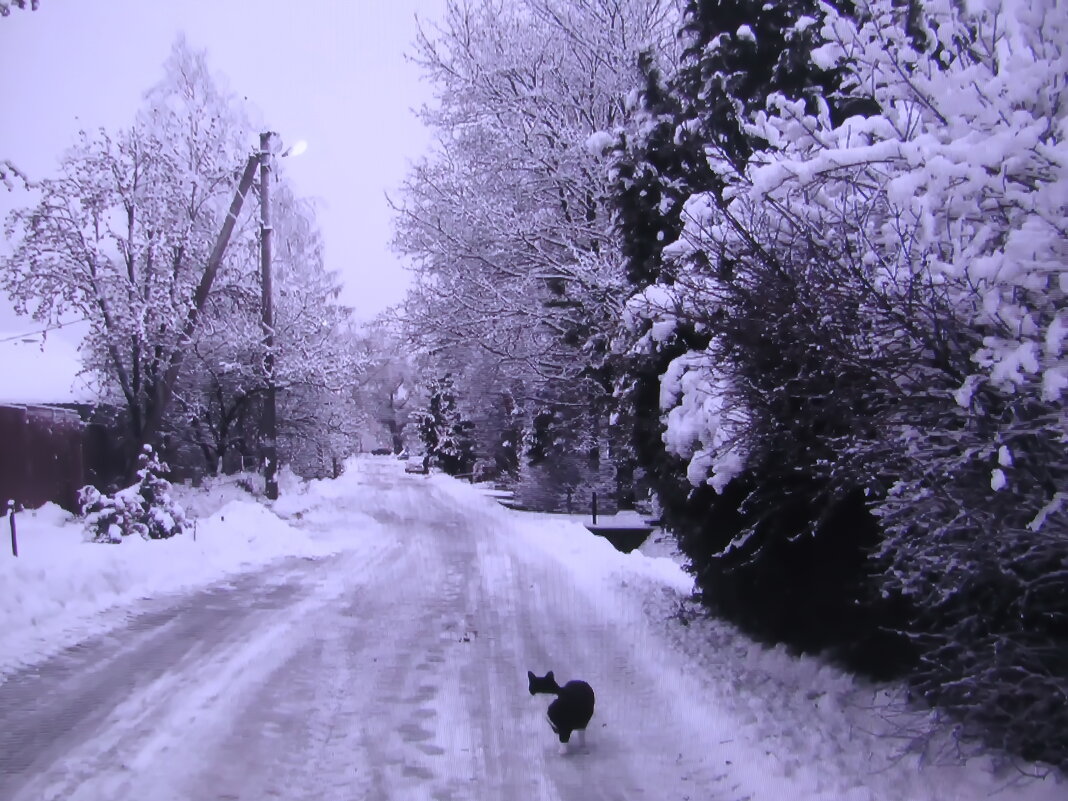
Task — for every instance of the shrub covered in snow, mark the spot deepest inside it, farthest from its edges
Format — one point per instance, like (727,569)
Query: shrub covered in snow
(862,290)
(751,343)
(107,517)
(145,508)
(951,202)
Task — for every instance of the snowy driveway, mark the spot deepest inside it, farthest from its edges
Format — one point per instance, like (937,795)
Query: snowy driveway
(394,671)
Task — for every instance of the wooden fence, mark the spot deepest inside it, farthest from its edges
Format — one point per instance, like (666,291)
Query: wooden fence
(47,453)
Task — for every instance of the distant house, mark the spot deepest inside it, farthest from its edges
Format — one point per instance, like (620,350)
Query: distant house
(49,449)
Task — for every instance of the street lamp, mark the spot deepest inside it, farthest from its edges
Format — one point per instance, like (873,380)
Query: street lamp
(269,423)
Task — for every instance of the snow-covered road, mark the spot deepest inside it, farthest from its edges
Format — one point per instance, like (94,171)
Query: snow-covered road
(396,669)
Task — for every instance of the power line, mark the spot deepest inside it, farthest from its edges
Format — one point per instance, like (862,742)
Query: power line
(43,330)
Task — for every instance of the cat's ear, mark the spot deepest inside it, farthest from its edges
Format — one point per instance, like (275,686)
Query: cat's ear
(549,676)
(530,676)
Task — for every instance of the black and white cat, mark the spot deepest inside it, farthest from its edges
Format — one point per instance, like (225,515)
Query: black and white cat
(572,709)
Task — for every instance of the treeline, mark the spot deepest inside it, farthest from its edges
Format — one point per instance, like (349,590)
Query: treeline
(866,357)
(800,268)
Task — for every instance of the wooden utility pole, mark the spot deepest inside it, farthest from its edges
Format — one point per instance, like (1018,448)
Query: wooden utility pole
(269,422)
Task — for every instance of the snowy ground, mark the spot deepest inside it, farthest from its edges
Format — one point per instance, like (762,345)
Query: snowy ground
(369,638)
(61,589)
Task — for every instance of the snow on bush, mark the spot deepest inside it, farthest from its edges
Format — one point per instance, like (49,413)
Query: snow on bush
(925,244)
(145,508)
(107,517)
(703,421)
(964,176)
(962,172)
(443,429)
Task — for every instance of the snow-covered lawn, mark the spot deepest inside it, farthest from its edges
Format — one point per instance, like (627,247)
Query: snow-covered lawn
(768,724)
(62,589)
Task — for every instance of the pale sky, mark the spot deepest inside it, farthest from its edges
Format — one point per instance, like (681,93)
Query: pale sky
(331,72)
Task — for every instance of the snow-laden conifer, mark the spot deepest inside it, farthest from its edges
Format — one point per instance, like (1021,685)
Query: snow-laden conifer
(145,509)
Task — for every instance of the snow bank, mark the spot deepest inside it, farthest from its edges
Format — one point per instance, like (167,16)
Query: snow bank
(61,588)
(592,560)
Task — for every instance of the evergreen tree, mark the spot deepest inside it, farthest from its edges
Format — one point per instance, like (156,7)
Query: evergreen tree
(145,508)
(780,546)
(444,431)
(107,518)
(160,516)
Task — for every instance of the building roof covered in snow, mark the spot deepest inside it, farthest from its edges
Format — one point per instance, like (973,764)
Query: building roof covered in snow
(36,372)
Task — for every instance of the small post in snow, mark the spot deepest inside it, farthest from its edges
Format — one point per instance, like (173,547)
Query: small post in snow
(11,520)
(595,508)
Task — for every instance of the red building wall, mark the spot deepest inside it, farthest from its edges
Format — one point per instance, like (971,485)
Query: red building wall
(42,455)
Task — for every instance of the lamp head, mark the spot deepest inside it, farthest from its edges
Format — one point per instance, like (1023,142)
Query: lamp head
(296,148)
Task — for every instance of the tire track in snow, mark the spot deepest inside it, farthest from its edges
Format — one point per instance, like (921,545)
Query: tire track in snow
(362,708)
(112,717)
